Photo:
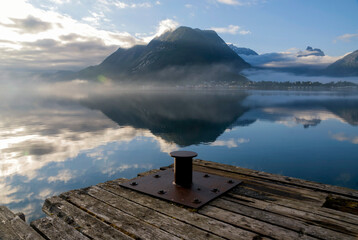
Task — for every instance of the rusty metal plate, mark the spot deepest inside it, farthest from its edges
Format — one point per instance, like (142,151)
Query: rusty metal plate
(205,187)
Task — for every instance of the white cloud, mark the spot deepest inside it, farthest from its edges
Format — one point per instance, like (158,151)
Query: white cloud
(62,176)
(45,193)
(188,5)
(7,195)
(164,26)
(121,4)
(52,23)
(342,137)
(60,1)
(28,210)
(30,24)
(27,146)
(34,38)
(289,117)
(31,37)
(240,2)
(229,2)
(244,32)
(231,29)
(165,146)
(289,58)
(231,143)
(347,37)
(96,18)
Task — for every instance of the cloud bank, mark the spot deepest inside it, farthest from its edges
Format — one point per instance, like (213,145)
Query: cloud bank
(289,58)
(44,39)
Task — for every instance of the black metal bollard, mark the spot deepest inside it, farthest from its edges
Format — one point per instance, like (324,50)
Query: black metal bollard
(183,167)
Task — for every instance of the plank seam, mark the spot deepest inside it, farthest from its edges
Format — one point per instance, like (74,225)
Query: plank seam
(101,219)
(246,229)
(183,221)
(39,232)
(131,214)
(285,227)
(280,181)
(282,205)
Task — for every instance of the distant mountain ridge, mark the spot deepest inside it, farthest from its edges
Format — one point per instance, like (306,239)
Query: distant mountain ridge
(242,50)
(346,66)
(309,62)
(183,47)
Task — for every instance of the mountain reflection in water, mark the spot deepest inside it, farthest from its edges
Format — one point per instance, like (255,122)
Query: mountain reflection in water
(51,144)
(182,118)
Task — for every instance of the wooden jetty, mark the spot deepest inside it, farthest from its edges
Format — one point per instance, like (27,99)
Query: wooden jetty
(263,206)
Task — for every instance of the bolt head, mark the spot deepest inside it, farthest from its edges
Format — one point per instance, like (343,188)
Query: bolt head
(134,183)
(215,190)
(197,201)
(161,192)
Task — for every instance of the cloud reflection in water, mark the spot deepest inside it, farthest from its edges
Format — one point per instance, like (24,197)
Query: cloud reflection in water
(53,142)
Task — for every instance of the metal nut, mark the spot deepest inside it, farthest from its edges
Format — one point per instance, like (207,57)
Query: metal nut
(215,190)
(161,192)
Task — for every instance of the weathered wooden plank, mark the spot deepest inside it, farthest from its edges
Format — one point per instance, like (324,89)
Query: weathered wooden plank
(287,180)
(279,189)
(252,224)
(116,218)
(206,223)
(265,206)
(280,220)
(291,192)
(241,191)
(56,229)
(341,204)
(304,202)
(85,223)
(12,227)
(271,188)
(171,225)
(313,217)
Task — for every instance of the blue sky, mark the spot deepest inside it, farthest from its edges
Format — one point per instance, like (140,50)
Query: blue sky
(41,28)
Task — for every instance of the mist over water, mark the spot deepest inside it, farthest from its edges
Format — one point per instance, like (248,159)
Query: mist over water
(59,136)
(276,76)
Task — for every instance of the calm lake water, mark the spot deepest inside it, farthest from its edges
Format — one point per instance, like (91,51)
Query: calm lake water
(51,143)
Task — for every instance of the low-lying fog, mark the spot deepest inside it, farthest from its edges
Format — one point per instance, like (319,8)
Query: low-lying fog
(276,76)
(58,136)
